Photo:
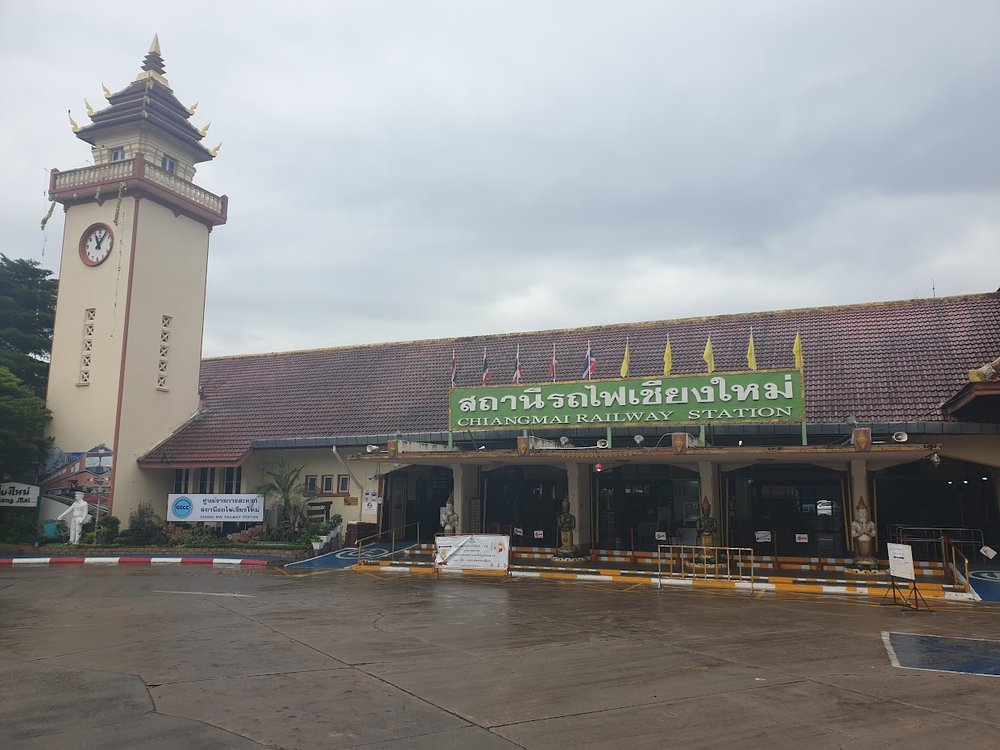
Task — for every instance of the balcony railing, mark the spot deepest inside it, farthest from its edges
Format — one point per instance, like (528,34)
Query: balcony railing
(137,167)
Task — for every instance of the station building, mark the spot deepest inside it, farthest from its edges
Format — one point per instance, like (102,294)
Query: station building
(780,425)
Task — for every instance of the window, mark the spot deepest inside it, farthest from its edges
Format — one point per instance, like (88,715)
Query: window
(206,481)
(167,164)
(117,153)
(181,478)
(233,480)
(328,484)
(311,485)
(161,377)
(89,316)
(343,484)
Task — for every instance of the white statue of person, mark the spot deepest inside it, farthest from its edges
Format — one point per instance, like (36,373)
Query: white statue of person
(76,515)
(449,517)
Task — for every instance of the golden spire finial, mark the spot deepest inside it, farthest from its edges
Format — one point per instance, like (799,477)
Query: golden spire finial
(72,122)
(204,130)
(90,110)
(190,110)
(154,46)
(215,151)
(107,91)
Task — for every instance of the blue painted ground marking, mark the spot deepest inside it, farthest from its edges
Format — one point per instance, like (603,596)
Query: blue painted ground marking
(348,556)
(986,583)
(943,654)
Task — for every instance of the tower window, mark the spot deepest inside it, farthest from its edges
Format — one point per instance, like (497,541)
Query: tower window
(117,153)
(167,164)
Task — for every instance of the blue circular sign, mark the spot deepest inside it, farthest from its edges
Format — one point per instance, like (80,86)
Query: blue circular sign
(182,507)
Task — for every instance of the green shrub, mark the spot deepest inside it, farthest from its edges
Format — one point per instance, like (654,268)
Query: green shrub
(143,525)
(19,525)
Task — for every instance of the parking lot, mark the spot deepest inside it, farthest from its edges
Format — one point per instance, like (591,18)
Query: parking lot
(202,657)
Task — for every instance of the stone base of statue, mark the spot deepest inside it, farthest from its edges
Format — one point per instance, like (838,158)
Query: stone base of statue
(571,554)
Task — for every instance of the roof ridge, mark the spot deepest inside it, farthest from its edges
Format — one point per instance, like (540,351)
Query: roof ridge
(916,301)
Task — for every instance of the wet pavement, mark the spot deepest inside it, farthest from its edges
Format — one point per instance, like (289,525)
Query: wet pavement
(205,657)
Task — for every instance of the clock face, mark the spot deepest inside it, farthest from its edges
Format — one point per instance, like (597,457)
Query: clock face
(96,244)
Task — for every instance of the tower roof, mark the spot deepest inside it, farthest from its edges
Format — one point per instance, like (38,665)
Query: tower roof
(148,103)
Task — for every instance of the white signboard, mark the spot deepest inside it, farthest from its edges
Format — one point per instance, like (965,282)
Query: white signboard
(762,536)
(901,561)
(17,495)
(473,551)
(801,538)
(193,508)
(989,552)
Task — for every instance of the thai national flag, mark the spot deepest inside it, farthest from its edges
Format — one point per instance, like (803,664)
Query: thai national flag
(486,368)
(589,364)
(517,367)
(454,369)
(553,365)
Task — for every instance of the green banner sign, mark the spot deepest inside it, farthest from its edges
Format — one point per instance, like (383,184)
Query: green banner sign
(771,396)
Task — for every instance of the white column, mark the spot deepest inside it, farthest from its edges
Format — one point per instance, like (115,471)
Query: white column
(465,486)
(580,505)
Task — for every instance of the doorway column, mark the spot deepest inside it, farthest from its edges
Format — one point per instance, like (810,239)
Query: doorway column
(708,482)
(465,487)
(578,491)
(859,490)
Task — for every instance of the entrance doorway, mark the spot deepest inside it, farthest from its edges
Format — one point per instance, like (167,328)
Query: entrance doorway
(525,498)
(416,494)
(788,510)
(633,503)
(927,501)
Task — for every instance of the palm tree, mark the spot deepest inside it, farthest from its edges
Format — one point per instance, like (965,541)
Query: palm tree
(291,496)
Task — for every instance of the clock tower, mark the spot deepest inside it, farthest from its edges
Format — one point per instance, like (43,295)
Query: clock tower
(126,349)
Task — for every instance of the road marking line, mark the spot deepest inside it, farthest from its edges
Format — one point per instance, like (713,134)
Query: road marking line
(207,593)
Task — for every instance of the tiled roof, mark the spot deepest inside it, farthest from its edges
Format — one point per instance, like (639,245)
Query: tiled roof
(891,362)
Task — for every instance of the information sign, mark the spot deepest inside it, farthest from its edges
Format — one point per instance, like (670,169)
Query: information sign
(473,551)
(17,495)
(901,561)
(192,508)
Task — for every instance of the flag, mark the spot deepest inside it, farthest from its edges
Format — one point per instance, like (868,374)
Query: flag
(516,378)
(589,364)
(486,368)
(668,358)
(797,351)
(625,359)
(554,364)
(454,369)
(751,353)
(709,356)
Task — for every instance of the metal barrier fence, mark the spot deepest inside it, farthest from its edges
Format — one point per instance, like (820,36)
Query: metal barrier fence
(931,543)
(708,563)
(960,568)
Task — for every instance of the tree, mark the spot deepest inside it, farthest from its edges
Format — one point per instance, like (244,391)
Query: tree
(27,315)
(292,495)
(23,417)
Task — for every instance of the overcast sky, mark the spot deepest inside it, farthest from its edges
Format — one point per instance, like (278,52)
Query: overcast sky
(409,169)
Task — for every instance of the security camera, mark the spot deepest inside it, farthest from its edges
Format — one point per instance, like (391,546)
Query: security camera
(564,440)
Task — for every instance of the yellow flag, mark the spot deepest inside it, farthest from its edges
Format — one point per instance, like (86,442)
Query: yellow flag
(751,353)
(708,356)
(668,358)
(625,360)
(797,351)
